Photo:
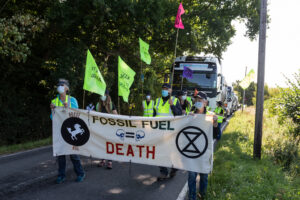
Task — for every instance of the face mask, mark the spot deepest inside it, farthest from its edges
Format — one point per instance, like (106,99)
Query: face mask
(183,97)
(148,97)
(198,105)
(164,93)
(60,89)
(103,98)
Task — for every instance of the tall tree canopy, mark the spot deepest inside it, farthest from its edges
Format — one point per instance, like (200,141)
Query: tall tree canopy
(43,40)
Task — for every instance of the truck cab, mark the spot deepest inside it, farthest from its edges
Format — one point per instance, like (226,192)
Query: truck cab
(206,77)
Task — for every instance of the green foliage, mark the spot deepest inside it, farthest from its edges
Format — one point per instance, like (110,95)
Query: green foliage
(249,93)
(286,153)
(16,34)
(53,43)
(236,175)
(287,105)
(25,146)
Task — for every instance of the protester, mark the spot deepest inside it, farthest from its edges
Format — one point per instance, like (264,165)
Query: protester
(200,108)
(167,105)
(220,113)
(148,105)
(105,105)
(186,104)
(67,101)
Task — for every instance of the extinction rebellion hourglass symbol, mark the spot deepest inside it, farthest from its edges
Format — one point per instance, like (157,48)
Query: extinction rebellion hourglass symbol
(192,142)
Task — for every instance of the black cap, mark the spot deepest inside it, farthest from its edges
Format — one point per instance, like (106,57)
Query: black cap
(148,93)
(219,102)
(62,81)
(166,85)
(201,95)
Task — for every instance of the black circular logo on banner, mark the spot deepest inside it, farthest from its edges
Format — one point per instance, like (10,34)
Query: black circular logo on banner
(191,142)
(75,131)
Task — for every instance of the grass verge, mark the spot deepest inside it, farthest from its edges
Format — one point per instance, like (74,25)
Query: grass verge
(25,146)
(236,175)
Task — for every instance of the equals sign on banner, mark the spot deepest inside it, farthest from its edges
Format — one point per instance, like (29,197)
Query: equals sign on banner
(129,135)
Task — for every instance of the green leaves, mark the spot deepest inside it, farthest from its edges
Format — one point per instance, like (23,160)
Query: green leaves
(16,34)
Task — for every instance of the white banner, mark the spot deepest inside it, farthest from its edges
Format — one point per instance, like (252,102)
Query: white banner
(183,142)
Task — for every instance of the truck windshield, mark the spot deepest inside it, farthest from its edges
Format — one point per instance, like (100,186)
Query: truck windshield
(201,79)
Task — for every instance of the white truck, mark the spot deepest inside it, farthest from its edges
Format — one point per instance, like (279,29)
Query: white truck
(206,77)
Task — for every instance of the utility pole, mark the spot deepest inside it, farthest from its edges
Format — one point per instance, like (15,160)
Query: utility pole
(244,92)
(260,81)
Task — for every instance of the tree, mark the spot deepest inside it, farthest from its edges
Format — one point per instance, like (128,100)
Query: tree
(109,29)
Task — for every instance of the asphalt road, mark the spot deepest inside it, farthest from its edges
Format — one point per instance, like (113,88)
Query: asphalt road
(31,175)
(121,182)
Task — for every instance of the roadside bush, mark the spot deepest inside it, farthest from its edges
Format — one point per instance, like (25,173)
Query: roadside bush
(287,105)
(286,153)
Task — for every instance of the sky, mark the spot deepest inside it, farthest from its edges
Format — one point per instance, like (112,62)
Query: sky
(282,46)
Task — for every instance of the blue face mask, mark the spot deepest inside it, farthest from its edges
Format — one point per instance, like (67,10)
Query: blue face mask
(198,105)
(164,93)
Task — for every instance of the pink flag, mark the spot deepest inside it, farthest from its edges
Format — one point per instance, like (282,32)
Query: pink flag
(178,21)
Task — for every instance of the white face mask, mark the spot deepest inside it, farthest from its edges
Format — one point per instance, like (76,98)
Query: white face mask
(103,98)
(148,97)
(183,97)
(61,89)
(198,105)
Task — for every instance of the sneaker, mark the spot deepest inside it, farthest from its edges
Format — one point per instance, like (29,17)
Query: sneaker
(80,178)
(109,165)
(162,177)
(102,163)
(60,180)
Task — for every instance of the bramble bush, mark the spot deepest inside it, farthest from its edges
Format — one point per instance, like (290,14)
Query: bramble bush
(284,108)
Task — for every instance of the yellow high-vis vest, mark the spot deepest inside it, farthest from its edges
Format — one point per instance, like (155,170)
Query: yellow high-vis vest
(57,102)
(189,107)
(164,109)
(220,117)
(148,109)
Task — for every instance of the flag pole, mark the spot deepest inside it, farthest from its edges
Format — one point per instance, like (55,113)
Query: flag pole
(142,79)
(83,99)
(174,59)
(119,112)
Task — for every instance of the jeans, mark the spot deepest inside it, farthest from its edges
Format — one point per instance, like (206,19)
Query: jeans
(76,164)
(192,184)
(220,131)
(165,171)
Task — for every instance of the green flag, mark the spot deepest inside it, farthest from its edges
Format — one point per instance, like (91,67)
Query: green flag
(93,80)
(125,79)
(145,56)
(248,79)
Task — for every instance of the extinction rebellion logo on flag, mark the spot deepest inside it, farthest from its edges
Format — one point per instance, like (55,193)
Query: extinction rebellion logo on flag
(191,142)
(75,132)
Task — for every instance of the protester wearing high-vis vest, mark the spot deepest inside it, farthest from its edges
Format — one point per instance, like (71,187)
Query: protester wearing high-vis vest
(148,106)
(105,105)
(186,104)
(220,113)
(200,108)
(64,100)
(167,105)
